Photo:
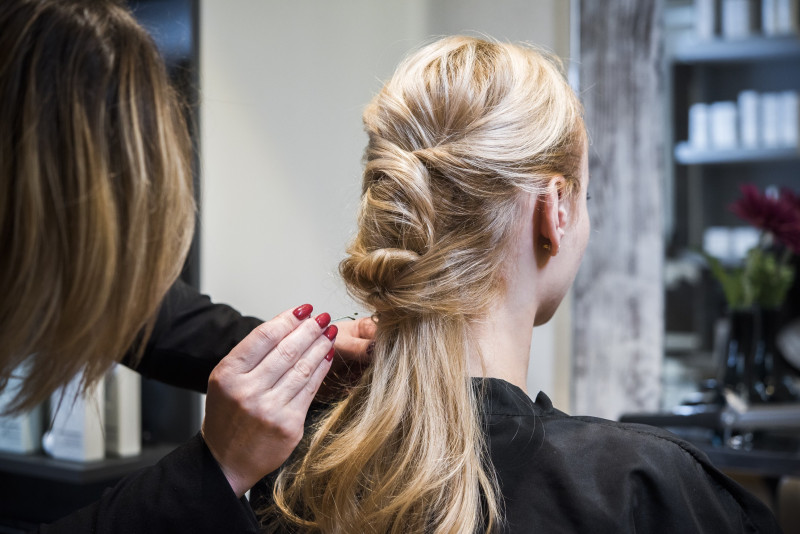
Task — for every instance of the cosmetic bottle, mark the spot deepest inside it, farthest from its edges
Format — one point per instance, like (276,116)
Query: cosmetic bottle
(76,419)
(706,14)
(20,433)
(789,125)
(123,412)
(739,18)
(724,125)
(699,126)
(748,103)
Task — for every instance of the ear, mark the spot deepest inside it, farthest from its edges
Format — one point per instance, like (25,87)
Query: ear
(551,212)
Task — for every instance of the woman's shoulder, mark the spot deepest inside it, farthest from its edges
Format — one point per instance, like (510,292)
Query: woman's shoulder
(606,476)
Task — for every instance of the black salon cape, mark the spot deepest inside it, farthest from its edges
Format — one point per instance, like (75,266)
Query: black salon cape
(562,474)
(583,474)
(186,491)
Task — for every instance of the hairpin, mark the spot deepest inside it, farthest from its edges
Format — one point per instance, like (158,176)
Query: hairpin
(352,317)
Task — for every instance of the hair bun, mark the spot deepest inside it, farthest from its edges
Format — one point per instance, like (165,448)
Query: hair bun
(381,277)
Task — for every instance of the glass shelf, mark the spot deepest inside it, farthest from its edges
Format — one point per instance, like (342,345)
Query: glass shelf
(43,467)
(685,154)
(736,50)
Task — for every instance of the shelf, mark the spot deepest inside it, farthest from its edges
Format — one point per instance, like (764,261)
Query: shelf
(736,50)
(685,154)
(41,466)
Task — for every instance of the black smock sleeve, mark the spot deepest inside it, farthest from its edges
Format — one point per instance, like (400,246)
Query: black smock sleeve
(191,335)
(185,492)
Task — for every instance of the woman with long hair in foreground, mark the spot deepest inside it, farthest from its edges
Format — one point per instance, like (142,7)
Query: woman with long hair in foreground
(472,225)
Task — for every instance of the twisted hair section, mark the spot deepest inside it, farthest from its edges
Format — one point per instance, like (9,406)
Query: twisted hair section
(96,203)
(460,132)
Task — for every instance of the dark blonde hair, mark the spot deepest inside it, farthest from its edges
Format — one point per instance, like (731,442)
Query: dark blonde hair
(463,128)
(96,203)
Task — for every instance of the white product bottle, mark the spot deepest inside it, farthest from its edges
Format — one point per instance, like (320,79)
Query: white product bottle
(706,18)
(748,118)
(123,412)
(787,22)
(724,125)
(738,18)
(699,126)
(769,17)
(19,433)
(770,120)
(789,126)
(77,423)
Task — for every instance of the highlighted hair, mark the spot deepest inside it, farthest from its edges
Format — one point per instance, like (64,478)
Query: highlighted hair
(96,203)
(461,129)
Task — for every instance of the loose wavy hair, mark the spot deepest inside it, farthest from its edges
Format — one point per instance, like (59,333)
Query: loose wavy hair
(460,131)
(96,202)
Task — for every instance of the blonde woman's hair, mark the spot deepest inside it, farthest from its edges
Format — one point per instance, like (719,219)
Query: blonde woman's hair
(96,203)
(461,129)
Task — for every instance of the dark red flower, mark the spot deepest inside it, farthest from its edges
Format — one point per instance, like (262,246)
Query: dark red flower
(779,216)
(790,197)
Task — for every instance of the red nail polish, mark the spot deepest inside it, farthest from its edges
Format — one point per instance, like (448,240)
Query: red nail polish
(329,356)
(301,312)
(323,319)
(331,332)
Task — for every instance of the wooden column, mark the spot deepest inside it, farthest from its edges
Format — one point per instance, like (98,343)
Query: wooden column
(618,314)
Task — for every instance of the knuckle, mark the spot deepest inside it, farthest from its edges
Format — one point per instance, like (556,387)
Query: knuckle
(217,380)
(310,389)
(285,352)
(303,369)
(267,333)
(293,434)
(286,430)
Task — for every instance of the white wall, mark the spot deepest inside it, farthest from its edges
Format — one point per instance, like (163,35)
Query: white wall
(283,85)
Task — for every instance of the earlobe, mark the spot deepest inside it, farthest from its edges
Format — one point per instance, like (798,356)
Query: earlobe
(552,217)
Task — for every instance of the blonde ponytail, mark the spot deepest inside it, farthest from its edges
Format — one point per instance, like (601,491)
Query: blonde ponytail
(460,130)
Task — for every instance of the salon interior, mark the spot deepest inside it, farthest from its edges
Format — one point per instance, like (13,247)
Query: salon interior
(693,114)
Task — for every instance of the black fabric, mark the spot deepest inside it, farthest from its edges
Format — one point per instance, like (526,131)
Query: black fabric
(583,474)
(562,474)
(185,492)
(190,337)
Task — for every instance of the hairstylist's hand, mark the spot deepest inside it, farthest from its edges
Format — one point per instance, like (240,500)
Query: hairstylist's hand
(259,394)
(353,354)
(355,338)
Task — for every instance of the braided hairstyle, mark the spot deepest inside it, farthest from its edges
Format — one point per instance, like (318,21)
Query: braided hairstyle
(461,130)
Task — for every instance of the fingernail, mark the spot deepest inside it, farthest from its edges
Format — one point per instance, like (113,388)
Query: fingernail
(329,356)
(370,349)
(323,319)
(331,332)
(301,312)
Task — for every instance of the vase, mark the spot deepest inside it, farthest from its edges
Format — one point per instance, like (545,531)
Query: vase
(778,378)
(753,366)
(736,359)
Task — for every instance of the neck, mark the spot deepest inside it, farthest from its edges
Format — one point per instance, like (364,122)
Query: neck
(504,338)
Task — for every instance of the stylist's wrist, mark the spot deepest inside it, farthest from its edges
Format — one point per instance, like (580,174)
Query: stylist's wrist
(238,482)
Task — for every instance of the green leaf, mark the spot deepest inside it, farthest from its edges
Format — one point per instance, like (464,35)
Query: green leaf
(737,293)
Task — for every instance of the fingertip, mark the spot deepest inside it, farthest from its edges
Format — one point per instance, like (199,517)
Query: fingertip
(331,332)
(323,319)
(303,311)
